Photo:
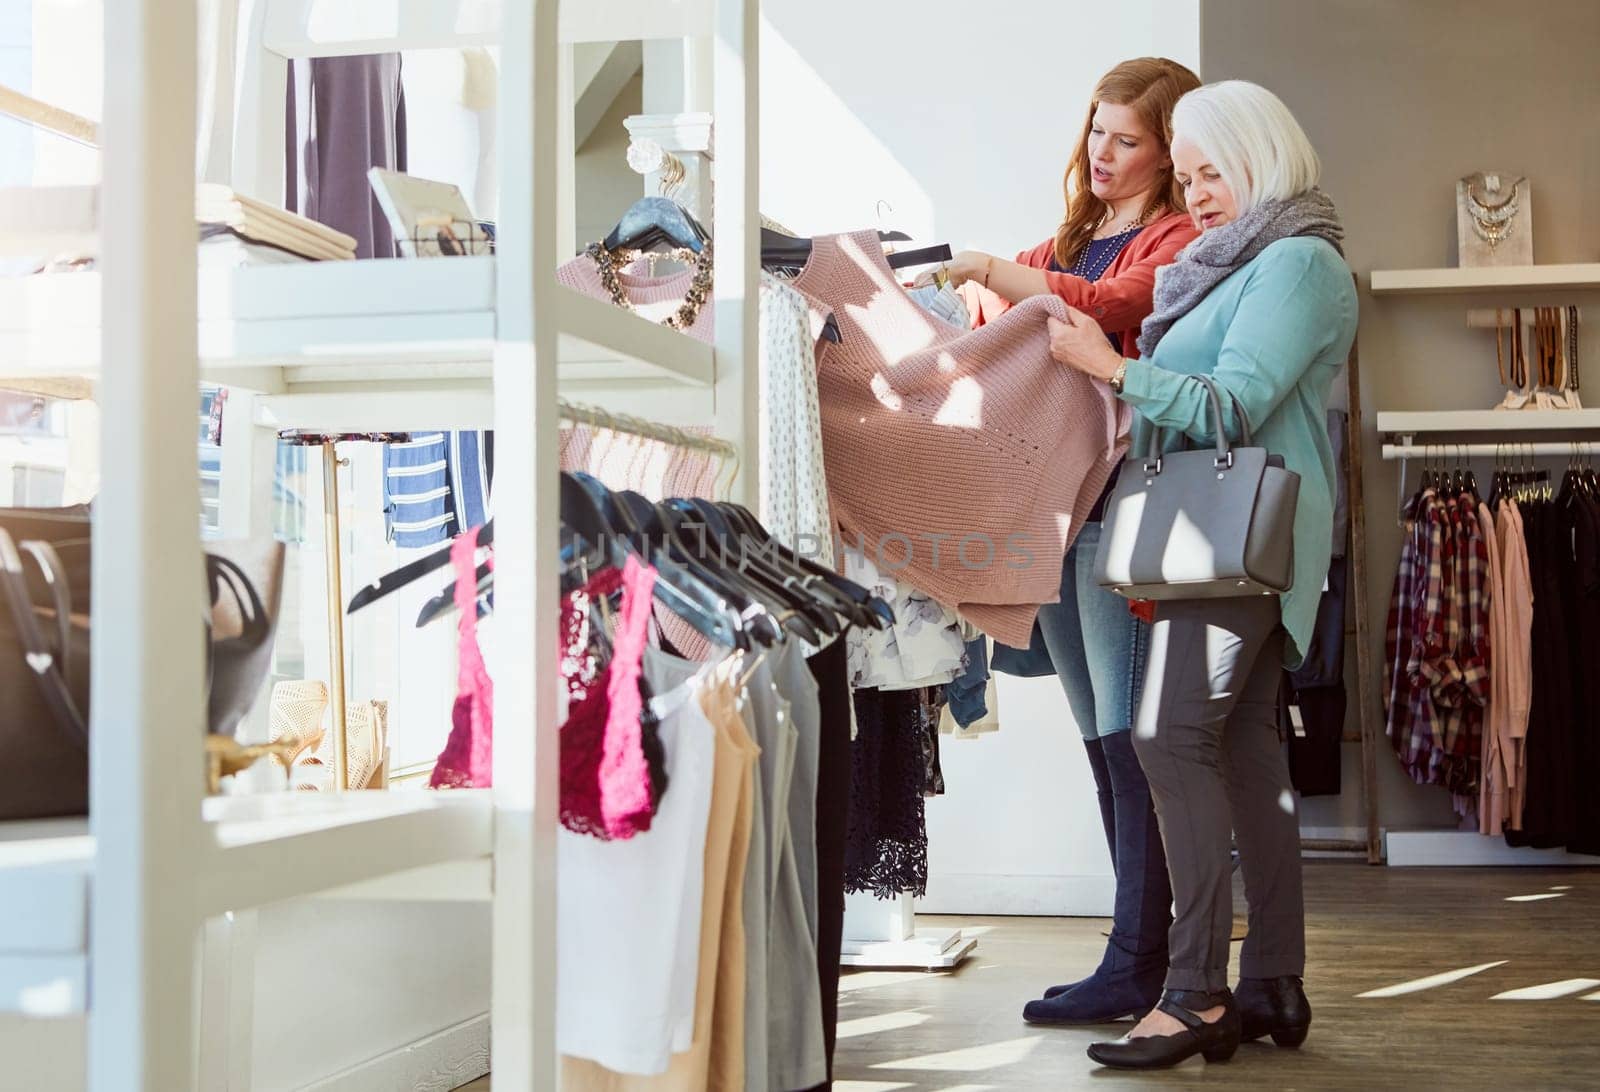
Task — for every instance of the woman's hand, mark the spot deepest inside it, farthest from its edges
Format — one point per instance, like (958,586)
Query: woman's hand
(966,266)
(1081,344)
(970,265)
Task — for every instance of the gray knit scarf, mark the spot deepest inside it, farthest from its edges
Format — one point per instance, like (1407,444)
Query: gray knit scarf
(1215,254)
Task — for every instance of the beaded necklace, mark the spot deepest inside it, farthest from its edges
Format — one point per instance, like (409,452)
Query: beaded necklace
(606,261)
(1110,247)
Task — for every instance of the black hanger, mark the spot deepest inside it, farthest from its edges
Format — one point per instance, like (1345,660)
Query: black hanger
(618,519)
(654,222)
(779,251)
(764,570)
(875,612)
(793,251)
(579,511)
(845,598)
(410,572)
(690,532)
(661,527)
(445,602)
(902,259)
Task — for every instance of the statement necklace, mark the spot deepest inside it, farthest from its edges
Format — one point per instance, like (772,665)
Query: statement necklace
(606,261)
(1493,210)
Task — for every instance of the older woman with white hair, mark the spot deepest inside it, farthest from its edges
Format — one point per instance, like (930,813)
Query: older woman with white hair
(1262,302)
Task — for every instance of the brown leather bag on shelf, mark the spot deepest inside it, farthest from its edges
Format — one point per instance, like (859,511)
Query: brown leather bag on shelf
(44,652)
(44,663)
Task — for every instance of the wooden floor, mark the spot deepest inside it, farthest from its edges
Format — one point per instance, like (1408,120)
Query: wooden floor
(1457,942)
(1367,929)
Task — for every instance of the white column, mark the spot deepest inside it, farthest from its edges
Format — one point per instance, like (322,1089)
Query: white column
(526,513)
(735,230)
(147,697)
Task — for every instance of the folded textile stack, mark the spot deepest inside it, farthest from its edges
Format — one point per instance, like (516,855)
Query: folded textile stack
(251,228)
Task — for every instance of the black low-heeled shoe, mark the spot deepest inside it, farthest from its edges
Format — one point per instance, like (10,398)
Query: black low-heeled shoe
(1275,1007)
(1215,1041)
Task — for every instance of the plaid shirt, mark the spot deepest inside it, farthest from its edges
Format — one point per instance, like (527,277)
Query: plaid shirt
(1407,701)
(1437,644)
(1462,758)
(1442,637)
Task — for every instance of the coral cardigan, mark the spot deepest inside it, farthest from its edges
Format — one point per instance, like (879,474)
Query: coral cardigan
(1120,300)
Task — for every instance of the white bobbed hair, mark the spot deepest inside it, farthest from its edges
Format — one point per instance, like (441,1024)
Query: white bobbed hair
(1251,138)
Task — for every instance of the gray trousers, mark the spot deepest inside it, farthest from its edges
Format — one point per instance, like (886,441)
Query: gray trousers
(1207,737)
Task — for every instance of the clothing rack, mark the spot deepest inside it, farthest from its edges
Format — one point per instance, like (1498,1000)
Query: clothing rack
(42,115)
(649,430)
(1543,450)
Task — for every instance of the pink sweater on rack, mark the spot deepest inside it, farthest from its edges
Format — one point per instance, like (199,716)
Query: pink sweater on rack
(653,297)
(970,455)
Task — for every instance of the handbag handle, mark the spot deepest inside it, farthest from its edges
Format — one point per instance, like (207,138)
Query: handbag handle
(252,612)
(40,661)
(1152,463)
(49,562)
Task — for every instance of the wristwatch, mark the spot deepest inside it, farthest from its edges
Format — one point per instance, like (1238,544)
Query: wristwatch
(1118,376)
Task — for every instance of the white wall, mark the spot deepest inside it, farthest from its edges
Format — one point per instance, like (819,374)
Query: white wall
(962,122)
(604,184)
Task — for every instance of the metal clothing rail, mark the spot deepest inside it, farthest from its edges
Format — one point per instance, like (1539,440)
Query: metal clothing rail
(649,430)
(1513,450)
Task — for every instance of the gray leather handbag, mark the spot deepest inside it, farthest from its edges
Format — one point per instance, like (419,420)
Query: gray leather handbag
(1200,524)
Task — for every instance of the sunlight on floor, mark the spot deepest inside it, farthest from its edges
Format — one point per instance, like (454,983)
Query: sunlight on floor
(970,1059)
(1536,898)
(1417,985)
(869,1086)
(1548,991)
(866,980)
(873,1025)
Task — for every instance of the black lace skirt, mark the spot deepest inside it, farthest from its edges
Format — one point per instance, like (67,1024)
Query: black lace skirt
(886,848)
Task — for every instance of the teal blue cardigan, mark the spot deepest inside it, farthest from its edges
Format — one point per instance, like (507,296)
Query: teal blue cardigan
(1274,334)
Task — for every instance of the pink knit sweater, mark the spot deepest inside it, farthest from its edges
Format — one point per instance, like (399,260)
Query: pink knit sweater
(971,456)
(653,298)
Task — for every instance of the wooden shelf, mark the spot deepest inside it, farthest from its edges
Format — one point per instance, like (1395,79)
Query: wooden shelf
(1504,421)
(1459,281)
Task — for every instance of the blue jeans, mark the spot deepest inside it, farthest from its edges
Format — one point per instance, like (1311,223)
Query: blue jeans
(1098,649)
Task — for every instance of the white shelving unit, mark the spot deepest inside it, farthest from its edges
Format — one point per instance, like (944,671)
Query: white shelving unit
(391,344)
(1484,279)
(1486,433)
(1424,422)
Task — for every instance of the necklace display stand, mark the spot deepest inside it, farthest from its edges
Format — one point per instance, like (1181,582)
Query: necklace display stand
(1494,219)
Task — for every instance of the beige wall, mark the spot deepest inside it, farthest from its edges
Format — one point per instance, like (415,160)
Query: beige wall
(1401,99)
(605,184)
